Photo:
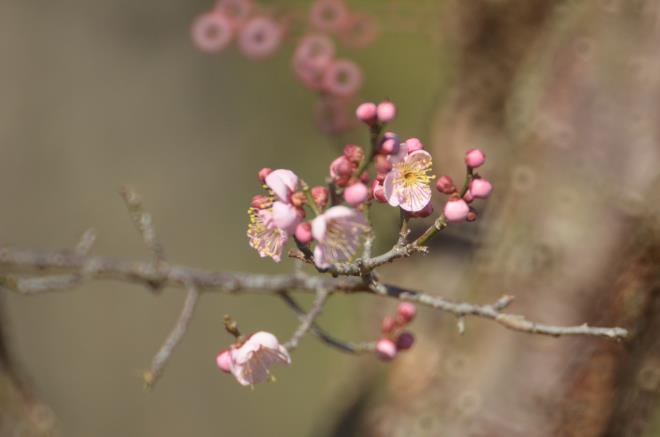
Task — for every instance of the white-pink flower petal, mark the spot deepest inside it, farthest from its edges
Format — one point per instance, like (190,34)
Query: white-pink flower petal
(338,232)
(285,216)
(283,182)
(251,361)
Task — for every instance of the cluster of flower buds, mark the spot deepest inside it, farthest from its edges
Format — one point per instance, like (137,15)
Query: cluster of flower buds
(257,33)
(250,358)
(403,169)
(343,174)
(394,337)
(458,207)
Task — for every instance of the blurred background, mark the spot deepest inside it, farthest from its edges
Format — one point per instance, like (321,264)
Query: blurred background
(562,95)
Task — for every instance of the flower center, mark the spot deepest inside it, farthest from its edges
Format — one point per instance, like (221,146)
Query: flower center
(410,176)
(264,237)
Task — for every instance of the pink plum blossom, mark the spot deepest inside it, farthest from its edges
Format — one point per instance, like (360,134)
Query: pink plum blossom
(480,188)
(329,15)
(264,235)
(386,111)
(312,56)
(386,349)
(475,158)
(414,144)
(212,32)
(342,77)
(407,185)
(283,183)
(338,232)
(456,210)
(406,311)
(320,195)
(356,194)
(223,360)
(366,113)
(260,37)
(304,232)
(252,360)
(445,185)
(405,341)
(263,173)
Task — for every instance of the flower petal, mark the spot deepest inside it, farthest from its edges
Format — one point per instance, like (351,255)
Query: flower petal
(388,188)
(283,182)
(285,216)
(319,226)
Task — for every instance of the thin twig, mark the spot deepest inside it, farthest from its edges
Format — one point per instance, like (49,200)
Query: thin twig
(308,319)
(343,346)
(143,223)
(511,321)
(163,355)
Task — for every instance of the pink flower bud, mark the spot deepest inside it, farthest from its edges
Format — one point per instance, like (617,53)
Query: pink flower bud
(223,360)
(445,185)
(389,323)
(472,216)
(356,194)
(261,202)
(468,197)
(298,199)
(386,111)
(341,170)
(353,153)
(366,113)
(480,188)
(456,210)
(475,158)
(383,165)
(405,341)
(386,349)
(378,192)
(406,311)
(414,145)
(304,232)
(263,173)
(390,144)
(365,178)
(320,195)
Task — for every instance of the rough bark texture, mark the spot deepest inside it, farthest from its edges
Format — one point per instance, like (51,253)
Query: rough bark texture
(562,96)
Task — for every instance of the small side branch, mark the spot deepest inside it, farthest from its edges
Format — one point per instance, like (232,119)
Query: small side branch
(329,340)
(163,355)
(308,319)
(493,312)
(143,223)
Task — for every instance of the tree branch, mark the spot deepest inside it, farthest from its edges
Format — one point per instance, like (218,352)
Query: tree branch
(96,267)
(163,355)
(348,347)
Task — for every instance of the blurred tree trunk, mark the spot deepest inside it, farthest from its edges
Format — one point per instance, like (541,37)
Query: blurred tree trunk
(563,96)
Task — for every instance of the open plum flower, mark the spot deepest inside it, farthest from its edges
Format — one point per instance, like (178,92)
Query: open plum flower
(338,233)
(283,183)
(407,185)
(250,362)
(264,235)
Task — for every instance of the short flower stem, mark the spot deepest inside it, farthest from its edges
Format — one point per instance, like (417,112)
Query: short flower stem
(310,199)
(439,224)
(373,148)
